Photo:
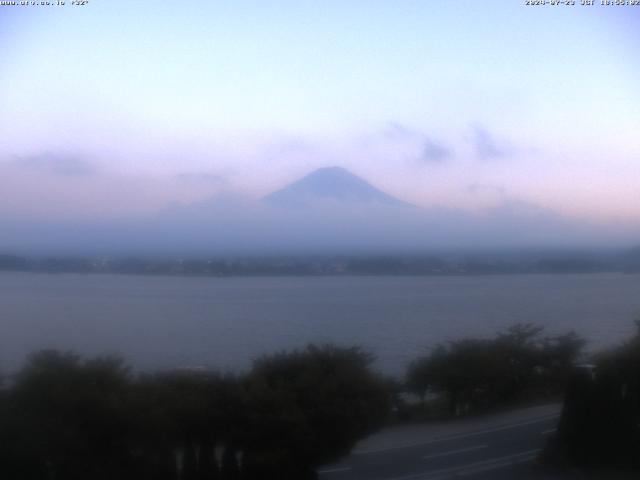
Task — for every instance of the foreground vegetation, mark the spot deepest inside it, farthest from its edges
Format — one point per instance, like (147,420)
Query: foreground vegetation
(599,429)
(600,424)
(519,364)
(63,417)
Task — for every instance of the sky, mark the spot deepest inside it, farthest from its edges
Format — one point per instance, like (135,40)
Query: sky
(117,109)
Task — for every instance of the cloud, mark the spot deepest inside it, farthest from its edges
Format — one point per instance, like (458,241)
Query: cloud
(397,130)
(487,147)
(61,165)
(433,152)
(294,144)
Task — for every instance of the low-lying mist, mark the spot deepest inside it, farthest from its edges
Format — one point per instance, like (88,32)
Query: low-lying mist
(250,227)
(329,210)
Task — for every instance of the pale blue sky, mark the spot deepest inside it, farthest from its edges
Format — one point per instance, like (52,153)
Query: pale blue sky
(427,99)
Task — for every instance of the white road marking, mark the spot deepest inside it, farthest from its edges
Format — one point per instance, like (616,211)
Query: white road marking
(472,468)
(334,470)
(501,462)
(453,452)
(547,432)
(458,436)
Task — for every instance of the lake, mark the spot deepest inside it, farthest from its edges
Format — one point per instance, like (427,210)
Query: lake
(166,322)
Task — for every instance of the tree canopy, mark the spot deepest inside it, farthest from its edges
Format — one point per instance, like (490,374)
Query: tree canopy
(66,417)
(480,373)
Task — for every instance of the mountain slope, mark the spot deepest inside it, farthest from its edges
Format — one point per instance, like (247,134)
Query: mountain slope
(332,184)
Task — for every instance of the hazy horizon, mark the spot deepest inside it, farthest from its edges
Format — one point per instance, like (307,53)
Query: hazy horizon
(505,124)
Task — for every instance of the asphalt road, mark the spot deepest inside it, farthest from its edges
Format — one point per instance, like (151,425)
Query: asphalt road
(500,447)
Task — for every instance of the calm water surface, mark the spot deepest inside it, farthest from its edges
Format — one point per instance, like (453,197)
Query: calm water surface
(164,322)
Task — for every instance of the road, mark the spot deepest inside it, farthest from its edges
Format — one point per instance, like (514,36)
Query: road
(495,447)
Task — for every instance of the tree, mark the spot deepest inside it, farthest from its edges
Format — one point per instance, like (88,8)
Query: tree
(599,426)
(183,415)
(68,418)
(481,373)
(310,407)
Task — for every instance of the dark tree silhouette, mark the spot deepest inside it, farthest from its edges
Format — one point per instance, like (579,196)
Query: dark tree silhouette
(310,407)
(599,426)
(482,373)
(67,418)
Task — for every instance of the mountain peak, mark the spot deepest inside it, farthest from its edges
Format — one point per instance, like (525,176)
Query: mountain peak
(333,184)
(332,171)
